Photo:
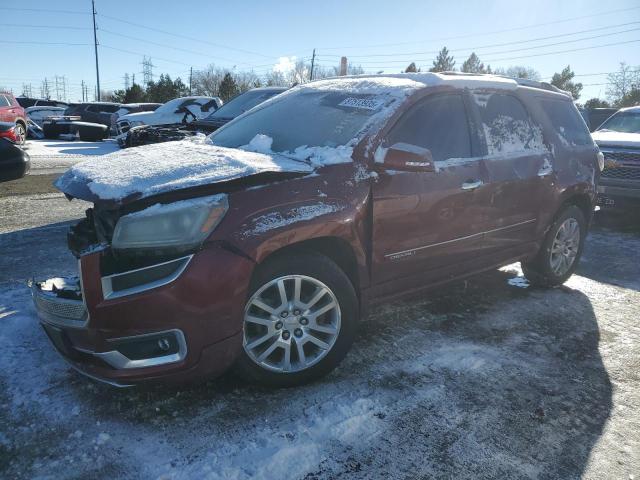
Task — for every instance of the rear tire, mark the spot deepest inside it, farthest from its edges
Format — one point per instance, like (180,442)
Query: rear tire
(301,343)
(561,250)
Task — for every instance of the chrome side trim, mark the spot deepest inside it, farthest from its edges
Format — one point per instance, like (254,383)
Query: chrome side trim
(413,250)
(98,379)
(119,361)
(107,282)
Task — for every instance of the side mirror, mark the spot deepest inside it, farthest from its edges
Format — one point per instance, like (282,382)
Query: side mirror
(408,158)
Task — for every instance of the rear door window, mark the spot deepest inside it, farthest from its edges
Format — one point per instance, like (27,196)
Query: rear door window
(506,124)
(439,124)
(567,122)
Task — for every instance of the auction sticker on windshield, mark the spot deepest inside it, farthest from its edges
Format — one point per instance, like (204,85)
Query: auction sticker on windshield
(366,103)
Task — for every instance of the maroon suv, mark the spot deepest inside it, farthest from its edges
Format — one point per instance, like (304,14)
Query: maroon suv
(263,245)
(12,112)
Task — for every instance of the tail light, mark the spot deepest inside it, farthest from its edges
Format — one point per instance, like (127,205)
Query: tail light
(9,134)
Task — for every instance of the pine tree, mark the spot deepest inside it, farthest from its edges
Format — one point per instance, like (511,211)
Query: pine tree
(596,103)
(563,81)
(474,65)
(228,87)
(443,62)
(412,68)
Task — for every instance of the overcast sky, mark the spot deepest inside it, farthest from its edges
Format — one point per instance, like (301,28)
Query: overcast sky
(379,35)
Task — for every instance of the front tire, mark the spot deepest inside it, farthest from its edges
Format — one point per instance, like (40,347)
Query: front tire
(561,250)
(299,322)
(21,134)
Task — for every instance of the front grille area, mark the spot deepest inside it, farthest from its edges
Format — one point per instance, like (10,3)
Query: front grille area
(621,164)
(60,311)
(623,156)
(622,173)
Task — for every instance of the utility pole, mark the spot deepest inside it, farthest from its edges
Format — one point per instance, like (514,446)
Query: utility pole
(313,61)
(82,83)
(57,88)
(343,66)
(147,70)
(126,81)
(190,79)
(95,46)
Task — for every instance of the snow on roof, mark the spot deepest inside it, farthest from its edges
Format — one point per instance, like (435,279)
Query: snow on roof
(376,83)
(631,109)
(152,169)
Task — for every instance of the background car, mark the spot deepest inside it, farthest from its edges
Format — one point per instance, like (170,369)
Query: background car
(14,162)
(93,112)
(143,135)
(178,110)
(37,114)
(12,112)
(594,117)
(26,102)
(619,140)
(127,108)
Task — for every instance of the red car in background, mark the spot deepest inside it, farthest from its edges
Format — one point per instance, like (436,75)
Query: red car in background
(12,112)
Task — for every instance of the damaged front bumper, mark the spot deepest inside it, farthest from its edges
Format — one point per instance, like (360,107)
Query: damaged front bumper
(168,321)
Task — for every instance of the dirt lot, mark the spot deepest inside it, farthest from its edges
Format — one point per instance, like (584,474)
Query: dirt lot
(480,379)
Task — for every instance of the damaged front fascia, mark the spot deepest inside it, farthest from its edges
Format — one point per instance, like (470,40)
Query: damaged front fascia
(94,232)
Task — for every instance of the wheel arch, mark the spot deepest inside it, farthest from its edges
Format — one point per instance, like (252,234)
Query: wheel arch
(337,249)
(581,200)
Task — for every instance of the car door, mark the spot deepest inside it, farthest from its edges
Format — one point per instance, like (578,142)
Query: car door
(5,105)
(517,160)
(425,223)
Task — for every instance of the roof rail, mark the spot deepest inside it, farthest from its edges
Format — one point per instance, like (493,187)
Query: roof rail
(525,82)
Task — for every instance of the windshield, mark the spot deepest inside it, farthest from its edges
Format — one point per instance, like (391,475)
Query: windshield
(627,122)
(170,106)
(242,103)
(310,117)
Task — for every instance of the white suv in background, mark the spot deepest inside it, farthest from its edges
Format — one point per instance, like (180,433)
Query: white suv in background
(178,110)
(619,140)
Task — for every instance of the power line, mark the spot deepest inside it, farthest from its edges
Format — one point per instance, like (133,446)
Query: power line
(164,45)
(19,42)
(40,10)
(62,27)
(185,36)
(521,49)
(606,12)
(433,52)
(565,51)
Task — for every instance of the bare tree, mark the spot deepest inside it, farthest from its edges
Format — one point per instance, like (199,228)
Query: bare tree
(622,82)
(519,71)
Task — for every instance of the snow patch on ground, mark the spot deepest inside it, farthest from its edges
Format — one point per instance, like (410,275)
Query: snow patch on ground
(275,220)
(520,282)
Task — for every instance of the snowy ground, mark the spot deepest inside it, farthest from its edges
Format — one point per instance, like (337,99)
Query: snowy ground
(56,156)
(482,379)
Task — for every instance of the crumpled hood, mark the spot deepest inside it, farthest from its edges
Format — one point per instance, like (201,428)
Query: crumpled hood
(141,172)
(616,139)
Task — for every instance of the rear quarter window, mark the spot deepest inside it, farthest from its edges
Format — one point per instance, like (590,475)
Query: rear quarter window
(567,122)
(506,124)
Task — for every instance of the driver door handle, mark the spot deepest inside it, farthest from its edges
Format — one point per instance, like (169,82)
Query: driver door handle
(472,184)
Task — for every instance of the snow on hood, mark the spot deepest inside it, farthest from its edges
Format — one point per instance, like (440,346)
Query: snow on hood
(149,170)
(616,139)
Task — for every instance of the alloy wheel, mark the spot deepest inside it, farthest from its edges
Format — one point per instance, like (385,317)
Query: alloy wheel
(20,134)
(291,323)
(564,248)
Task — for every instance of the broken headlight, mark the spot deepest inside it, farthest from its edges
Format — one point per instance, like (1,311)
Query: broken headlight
(186,223)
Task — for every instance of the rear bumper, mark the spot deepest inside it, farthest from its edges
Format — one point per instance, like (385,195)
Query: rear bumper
(121,339)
